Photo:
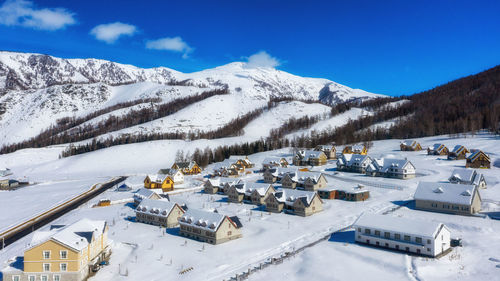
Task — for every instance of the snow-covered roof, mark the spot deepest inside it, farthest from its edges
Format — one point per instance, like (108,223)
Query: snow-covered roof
(161,207)
(463,174)
(76,236)
(272,160)
(399,225)
(144,193)
(307,154)
(202,219)
(384,164)
(157,177)
(289,196)
(445,192)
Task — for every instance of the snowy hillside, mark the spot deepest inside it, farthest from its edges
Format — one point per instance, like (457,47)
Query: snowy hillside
(36,90)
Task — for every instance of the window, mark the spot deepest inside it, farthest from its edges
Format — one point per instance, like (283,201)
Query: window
(387,235)
(16,278)
(407,237)
(418,240)
(397,236)
(46,255)
(31,278)
(46,267)
(64,254)
(377,232)
(63,267)
(57,278)
(44,278)
(367,231)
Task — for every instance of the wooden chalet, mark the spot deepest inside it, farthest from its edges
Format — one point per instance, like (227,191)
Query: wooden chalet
(410,145)
(437,149)
(165,182)
(478,159)
(187,168)
(329,150)
(355,149)
(459,152)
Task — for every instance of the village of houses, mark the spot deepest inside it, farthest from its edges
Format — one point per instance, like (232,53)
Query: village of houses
(404,200)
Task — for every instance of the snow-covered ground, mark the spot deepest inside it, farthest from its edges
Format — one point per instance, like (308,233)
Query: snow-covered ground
(161,255)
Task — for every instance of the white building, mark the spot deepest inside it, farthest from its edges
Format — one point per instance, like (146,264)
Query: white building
(420,237)
(392,168)
(467,176)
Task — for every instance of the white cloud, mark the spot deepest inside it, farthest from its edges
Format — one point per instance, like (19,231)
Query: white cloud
(24,13)
(262,59)
(174,44)
(110,32)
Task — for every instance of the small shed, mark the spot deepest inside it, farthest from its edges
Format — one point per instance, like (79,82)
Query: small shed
(327,194)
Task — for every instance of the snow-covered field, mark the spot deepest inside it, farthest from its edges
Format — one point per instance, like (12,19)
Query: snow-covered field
(161,255)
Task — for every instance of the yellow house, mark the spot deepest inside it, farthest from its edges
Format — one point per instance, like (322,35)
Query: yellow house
(165,182)
(187,168)
(355,149)
(62,253)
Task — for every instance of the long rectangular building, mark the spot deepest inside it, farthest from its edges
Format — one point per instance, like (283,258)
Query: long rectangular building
(412,236)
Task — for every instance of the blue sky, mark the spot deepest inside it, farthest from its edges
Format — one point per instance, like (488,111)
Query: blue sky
(388,47)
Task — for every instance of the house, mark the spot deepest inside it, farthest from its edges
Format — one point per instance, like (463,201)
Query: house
(478,159)
(123,187)
(8,183)
(298,202)
(355,194)
(253,192)
(219,185)
(165,182)
(467,176)
(272,162)
(422,237)
(158,212)
(310,181)
(459,199)
(144,193)
(309,157)
(410,145)
(276,174)
(5,172)
(459,152)
(329,150)
(209,227)
(187,168)
(239,160)
(355,149)
(353,163)
(65,252)
(327,194)
(176,175)
(437,149)
(391,168)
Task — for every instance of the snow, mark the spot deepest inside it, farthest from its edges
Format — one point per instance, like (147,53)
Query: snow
(161,255)
(445,192)
(397,224)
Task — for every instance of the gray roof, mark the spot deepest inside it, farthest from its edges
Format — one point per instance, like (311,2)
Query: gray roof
(461,194)
(399,225)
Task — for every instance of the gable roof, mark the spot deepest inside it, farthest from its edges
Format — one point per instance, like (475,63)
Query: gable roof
(203,219)
(445,192)
(399,225)
(144,193)
(289,196)
(474,155)
(76,236)
(160,207)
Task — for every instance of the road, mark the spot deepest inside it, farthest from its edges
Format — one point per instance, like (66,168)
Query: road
(22,229)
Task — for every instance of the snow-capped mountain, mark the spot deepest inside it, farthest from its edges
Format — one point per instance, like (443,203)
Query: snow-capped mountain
(36,90)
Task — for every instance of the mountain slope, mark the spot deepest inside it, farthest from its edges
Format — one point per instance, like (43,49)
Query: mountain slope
(37,90)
